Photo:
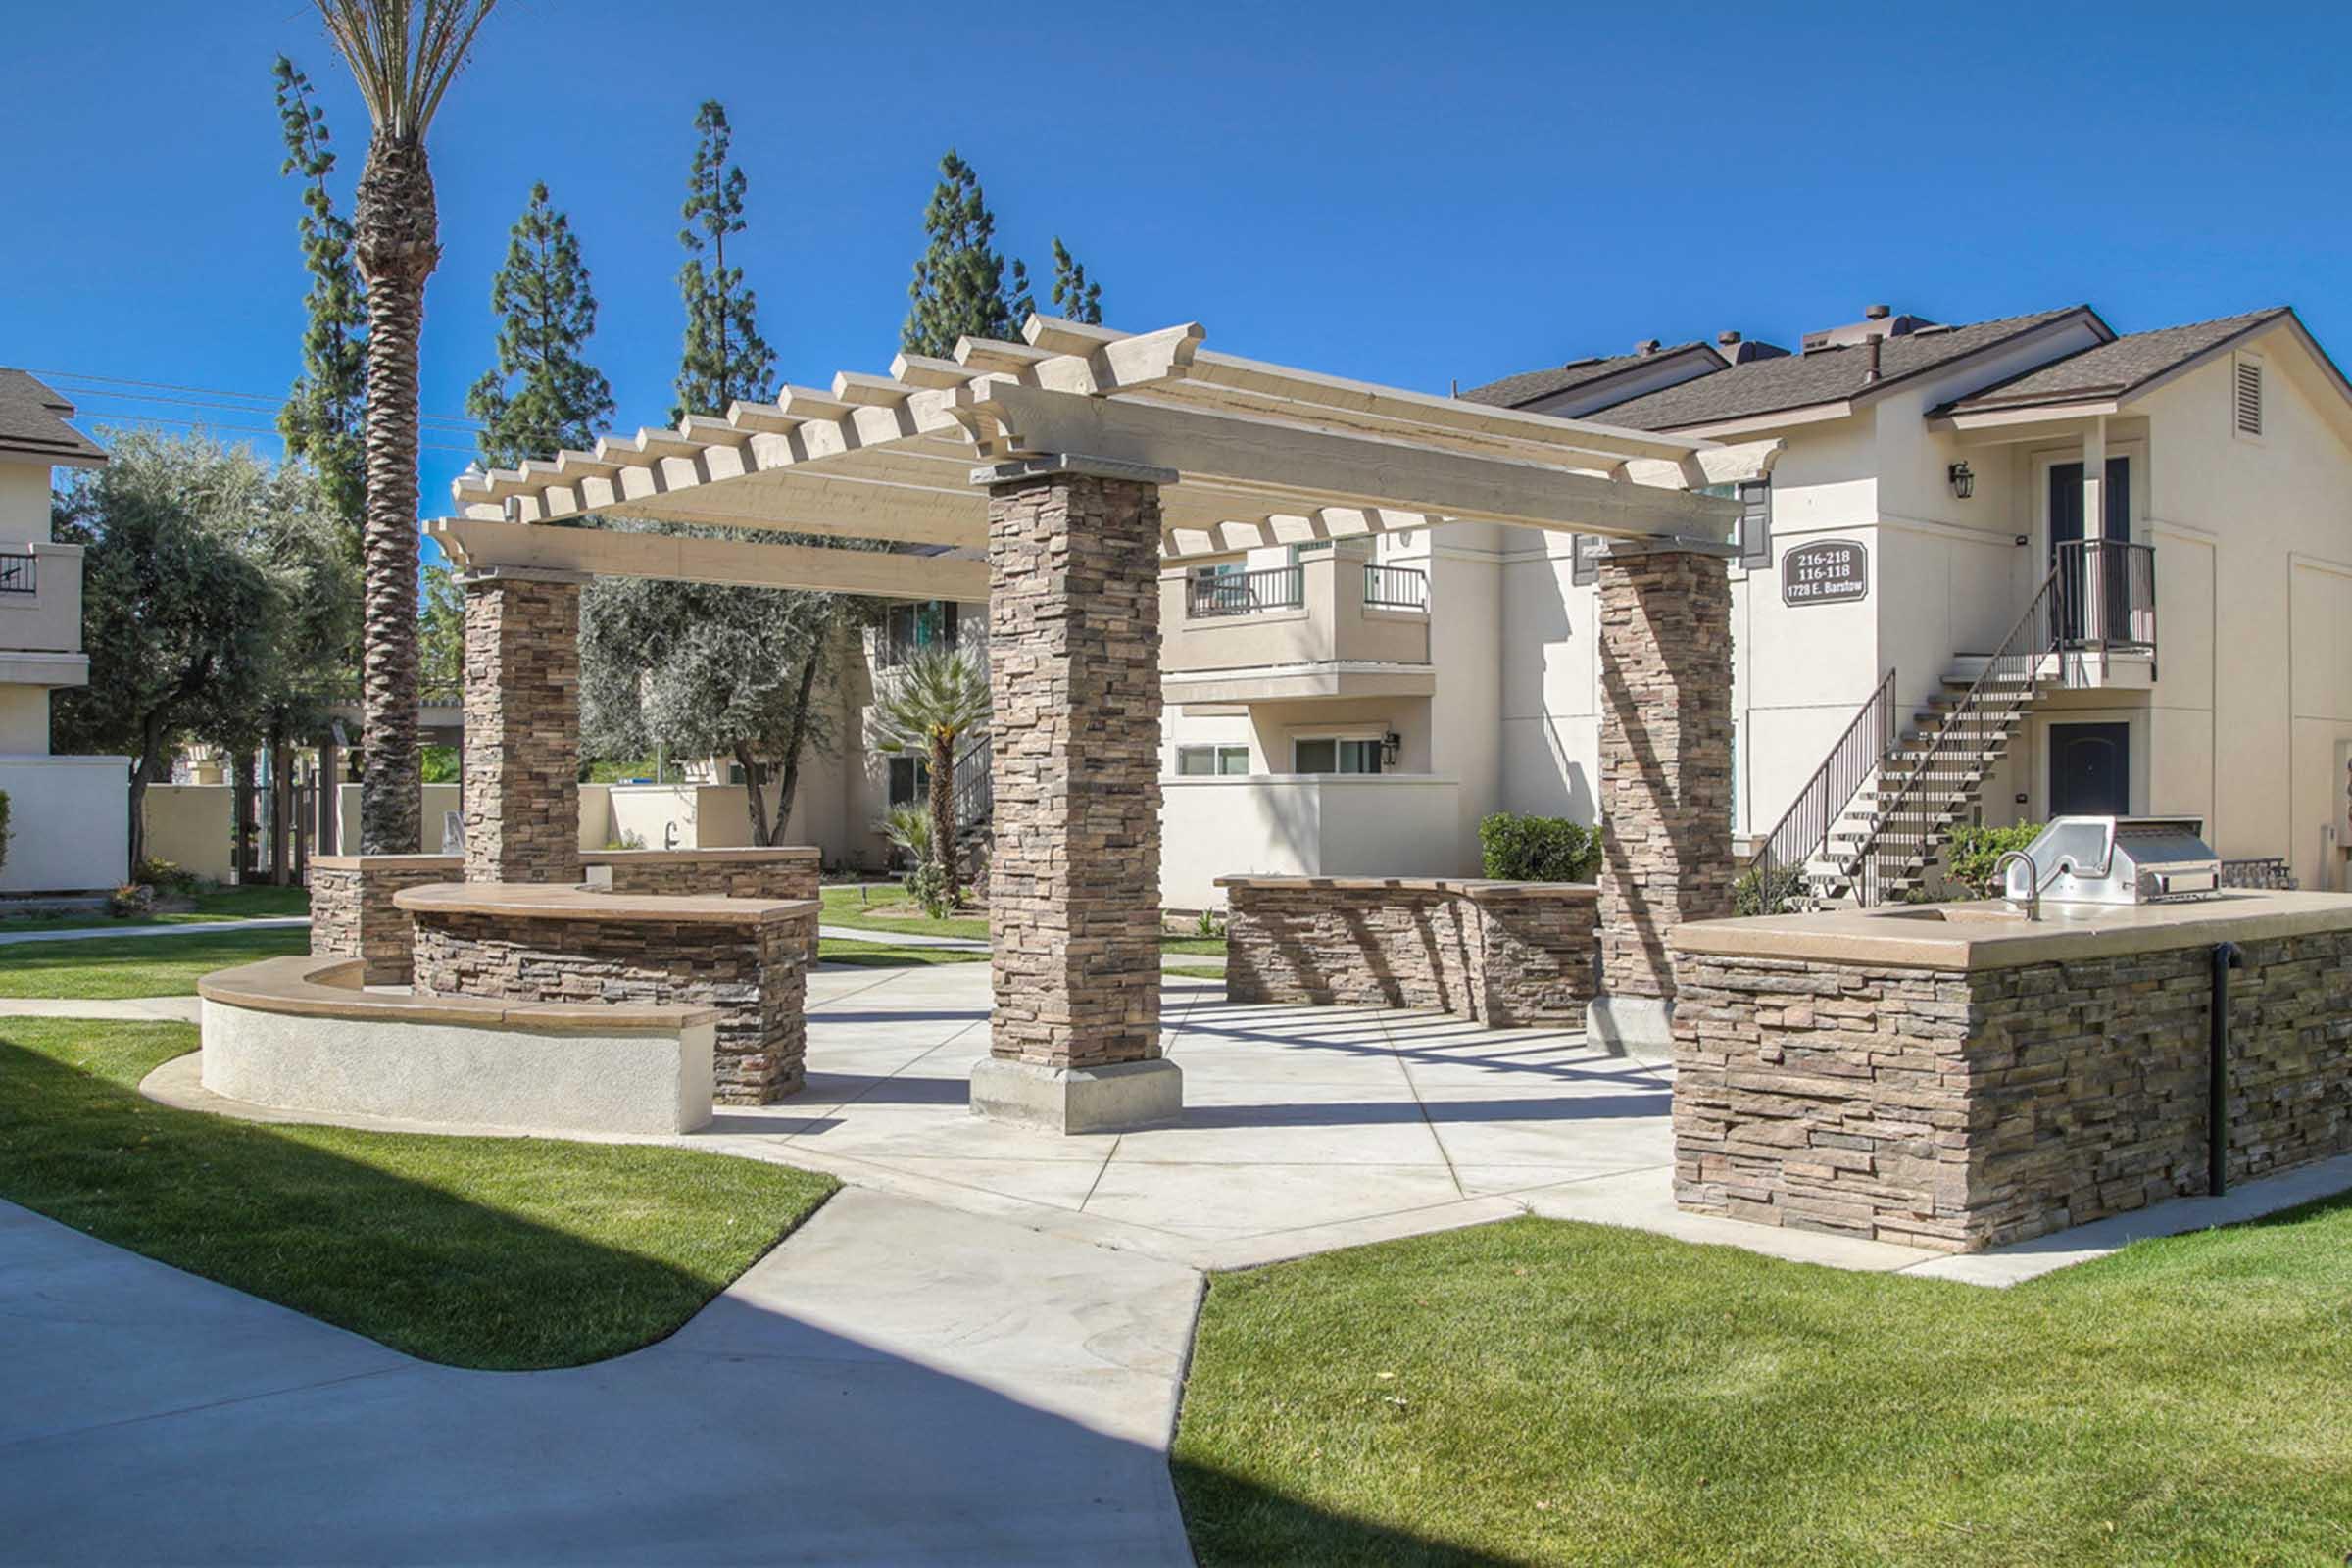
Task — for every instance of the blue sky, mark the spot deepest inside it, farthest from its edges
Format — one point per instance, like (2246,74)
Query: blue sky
(1404,193)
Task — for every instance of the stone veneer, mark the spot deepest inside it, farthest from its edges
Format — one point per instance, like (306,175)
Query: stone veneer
(522,726)
(351,914)
(1074,677)
(1508,954)
(781,871)
(753,973)
(1665,759)
(1959,1110)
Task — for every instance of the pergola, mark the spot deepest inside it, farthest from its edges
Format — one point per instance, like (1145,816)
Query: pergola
(1077,462)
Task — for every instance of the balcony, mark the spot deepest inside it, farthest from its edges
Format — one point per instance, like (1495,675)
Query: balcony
(40,615)
(2105,608)
(1333,626)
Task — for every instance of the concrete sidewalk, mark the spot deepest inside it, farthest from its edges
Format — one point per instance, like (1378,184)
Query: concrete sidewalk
(270,922)
(896,1383)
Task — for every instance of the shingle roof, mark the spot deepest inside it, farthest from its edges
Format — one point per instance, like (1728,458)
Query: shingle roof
(1826,376)
(1517,391)
(32,419)
(2116,369)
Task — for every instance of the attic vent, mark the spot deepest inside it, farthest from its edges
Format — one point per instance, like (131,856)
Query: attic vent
(2245,397)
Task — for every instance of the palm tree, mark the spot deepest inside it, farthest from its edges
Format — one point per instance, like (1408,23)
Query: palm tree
(932,703)
(404,54)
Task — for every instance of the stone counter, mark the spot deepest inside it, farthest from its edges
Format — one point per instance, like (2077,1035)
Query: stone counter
(1506,954)
(1956,1077)
(781,872)
(744,959)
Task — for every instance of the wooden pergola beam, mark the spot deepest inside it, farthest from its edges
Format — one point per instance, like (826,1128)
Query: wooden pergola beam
(471,543)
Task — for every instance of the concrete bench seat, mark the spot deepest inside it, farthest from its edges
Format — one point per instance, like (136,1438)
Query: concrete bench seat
(299,1033)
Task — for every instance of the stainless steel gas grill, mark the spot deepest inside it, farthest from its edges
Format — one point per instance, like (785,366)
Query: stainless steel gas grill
(2116,859)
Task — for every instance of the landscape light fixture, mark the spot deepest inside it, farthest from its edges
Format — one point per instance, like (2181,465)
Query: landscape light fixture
(1964,482)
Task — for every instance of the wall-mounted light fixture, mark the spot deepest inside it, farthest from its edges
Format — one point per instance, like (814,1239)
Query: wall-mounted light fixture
(1391,745)
(1964,481)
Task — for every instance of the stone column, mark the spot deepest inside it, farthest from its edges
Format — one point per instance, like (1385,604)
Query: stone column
(1074,875)
(522,725)
(1665,777)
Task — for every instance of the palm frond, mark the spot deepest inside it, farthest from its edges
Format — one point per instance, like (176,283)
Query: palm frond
(404,54)
(939,692)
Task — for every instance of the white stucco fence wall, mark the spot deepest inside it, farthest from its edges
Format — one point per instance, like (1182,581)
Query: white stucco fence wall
(525,1079)
(69,823)
(1381,824)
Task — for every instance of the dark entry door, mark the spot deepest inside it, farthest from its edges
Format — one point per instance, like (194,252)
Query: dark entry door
(2090,769)
(2097,601)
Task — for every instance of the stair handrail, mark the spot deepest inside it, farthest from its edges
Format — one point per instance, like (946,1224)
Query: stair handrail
(2024,643)
(975,783)
(1805,828)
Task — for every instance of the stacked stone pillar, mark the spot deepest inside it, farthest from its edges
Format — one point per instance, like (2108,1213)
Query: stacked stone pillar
(1665,777)
(522,725)
(1074,873)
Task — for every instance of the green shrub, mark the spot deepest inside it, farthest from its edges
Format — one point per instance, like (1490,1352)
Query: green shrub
(166,877)
(927,883)
(1765,890)
(1537,848)
(1973,851)
(909,827)
(130,899)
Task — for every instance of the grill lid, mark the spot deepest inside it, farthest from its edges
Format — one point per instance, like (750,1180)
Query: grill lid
(2118,860)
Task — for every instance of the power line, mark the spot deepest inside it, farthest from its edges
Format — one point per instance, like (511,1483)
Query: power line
(270,400)
(248,429)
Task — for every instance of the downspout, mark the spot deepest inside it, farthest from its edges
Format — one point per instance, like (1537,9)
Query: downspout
(2226,957)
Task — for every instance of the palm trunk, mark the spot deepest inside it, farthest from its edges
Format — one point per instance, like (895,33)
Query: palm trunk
(943,812)
(398,248)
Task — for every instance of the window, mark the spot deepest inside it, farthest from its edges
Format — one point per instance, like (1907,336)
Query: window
(2245,396)
(910,627)
(910,780)
(1327,754)
(1211,762)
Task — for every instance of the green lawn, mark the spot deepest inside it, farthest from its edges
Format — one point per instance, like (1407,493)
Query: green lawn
(103,968)
(852,904)
(214,905)
(882,956)
(1542,1392)
(502,1252)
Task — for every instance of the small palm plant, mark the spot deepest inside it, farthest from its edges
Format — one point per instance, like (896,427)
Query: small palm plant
(931,704)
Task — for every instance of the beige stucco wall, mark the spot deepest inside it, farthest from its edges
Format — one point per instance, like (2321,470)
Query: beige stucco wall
(1303,825)
(191,826)
(24,720)
(70,823)
(24,497)
(439,799)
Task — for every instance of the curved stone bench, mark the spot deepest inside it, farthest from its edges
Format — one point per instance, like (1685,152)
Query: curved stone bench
(1506,954)
(299,1033)
(744,959)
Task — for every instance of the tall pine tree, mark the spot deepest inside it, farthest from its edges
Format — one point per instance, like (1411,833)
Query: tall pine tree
(725,358)
(321,419)
(1078,299)
(963,287)
(544,395)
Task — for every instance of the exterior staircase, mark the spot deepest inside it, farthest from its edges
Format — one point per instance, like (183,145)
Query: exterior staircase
(1883,803)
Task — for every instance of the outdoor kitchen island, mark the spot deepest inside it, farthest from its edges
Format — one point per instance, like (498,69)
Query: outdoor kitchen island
(1958,1075)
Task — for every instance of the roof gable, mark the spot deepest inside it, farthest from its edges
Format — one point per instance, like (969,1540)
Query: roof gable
(32,422)
(1826,376)
(2119,368)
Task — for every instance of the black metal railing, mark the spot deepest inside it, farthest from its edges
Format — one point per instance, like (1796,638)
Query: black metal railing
(975,784)
(1776,873)
(1395,588)
(2108,589)
(20,573)
(1245,593)
(1917,796)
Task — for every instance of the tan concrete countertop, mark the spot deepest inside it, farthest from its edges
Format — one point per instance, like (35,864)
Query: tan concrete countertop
(530,901)
(1990,935)
(1467,887)
(304,986)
